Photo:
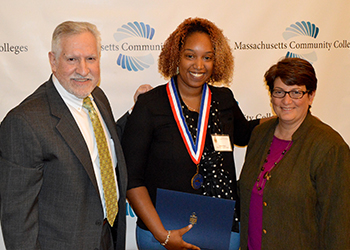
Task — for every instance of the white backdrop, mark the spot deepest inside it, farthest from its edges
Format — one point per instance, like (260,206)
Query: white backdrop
(260,32)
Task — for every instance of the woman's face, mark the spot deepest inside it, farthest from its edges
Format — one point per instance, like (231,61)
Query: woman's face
(196,60)
(291,111)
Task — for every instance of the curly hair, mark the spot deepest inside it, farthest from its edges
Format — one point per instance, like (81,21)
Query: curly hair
(169,57)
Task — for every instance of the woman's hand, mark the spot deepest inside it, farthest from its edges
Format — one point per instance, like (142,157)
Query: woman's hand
(176,242)
(141,203)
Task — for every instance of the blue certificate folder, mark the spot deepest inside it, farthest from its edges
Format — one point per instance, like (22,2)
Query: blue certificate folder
(214,217)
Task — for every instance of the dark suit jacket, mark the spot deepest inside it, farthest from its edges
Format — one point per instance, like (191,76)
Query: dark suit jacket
(49,195)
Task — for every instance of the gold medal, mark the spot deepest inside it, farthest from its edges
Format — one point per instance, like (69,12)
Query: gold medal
(197,180)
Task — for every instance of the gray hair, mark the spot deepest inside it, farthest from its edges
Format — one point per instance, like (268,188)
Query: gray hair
(73,28)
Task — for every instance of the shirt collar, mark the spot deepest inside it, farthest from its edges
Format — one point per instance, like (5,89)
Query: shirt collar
(70,99)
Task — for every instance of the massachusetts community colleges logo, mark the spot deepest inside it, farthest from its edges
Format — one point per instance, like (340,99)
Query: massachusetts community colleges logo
(9,48)
(300,40)
(309,32)
(135,46)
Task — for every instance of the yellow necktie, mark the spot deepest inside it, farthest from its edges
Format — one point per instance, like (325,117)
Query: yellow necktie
(106,167)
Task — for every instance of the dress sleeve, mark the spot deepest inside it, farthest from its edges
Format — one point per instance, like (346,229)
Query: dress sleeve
(136,142)
(242,128)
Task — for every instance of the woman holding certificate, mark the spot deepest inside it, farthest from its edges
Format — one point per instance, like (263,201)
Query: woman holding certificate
(180,135)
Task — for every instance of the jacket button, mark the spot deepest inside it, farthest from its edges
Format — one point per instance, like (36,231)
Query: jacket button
(265,204)
(98,223)
(264,231)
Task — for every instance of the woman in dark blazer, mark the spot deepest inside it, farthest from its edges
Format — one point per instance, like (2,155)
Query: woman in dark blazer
(294,185)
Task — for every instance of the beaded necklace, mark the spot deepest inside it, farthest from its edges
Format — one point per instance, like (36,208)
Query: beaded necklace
(265,174)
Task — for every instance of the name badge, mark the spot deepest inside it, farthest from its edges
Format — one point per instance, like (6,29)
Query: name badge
(222,143)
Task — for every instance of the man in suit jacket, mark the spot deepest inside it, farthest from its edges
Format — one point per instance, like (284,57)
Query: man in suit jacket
(50,181)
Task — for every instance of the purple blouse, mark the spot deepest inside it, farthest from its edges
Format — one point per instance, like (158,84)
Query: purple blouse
(255,228)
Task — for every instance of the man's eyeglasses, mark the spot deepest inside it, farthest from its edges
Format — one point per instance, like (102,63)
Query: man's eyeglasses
(294,94)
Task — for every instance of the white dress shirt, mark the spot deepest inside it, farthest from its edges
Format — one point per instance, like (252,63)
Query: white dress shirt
(83,121)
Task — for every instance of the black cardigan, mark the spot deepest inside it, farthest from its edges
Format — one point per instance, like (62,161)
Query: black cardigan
(154,151)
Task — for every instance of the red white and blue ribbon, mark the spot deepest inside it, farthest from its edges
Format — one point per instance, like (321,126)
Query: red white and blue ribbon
(195,149)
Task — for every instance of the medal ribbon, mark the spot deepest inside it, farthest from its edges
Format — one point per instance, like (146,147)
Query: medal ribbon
(195,150)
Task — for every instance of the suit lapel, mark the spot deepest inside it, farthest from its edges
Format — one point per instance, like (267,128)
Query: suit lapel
(70,131)
(106,117)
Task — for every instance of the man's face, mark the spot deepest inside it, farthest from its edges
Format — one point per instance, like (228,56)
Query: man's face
(77,66)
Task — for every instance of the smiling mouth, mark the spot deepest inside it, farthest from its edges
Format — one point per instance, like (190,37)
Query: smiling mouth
(81,79)
(197,74)
(286,109)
